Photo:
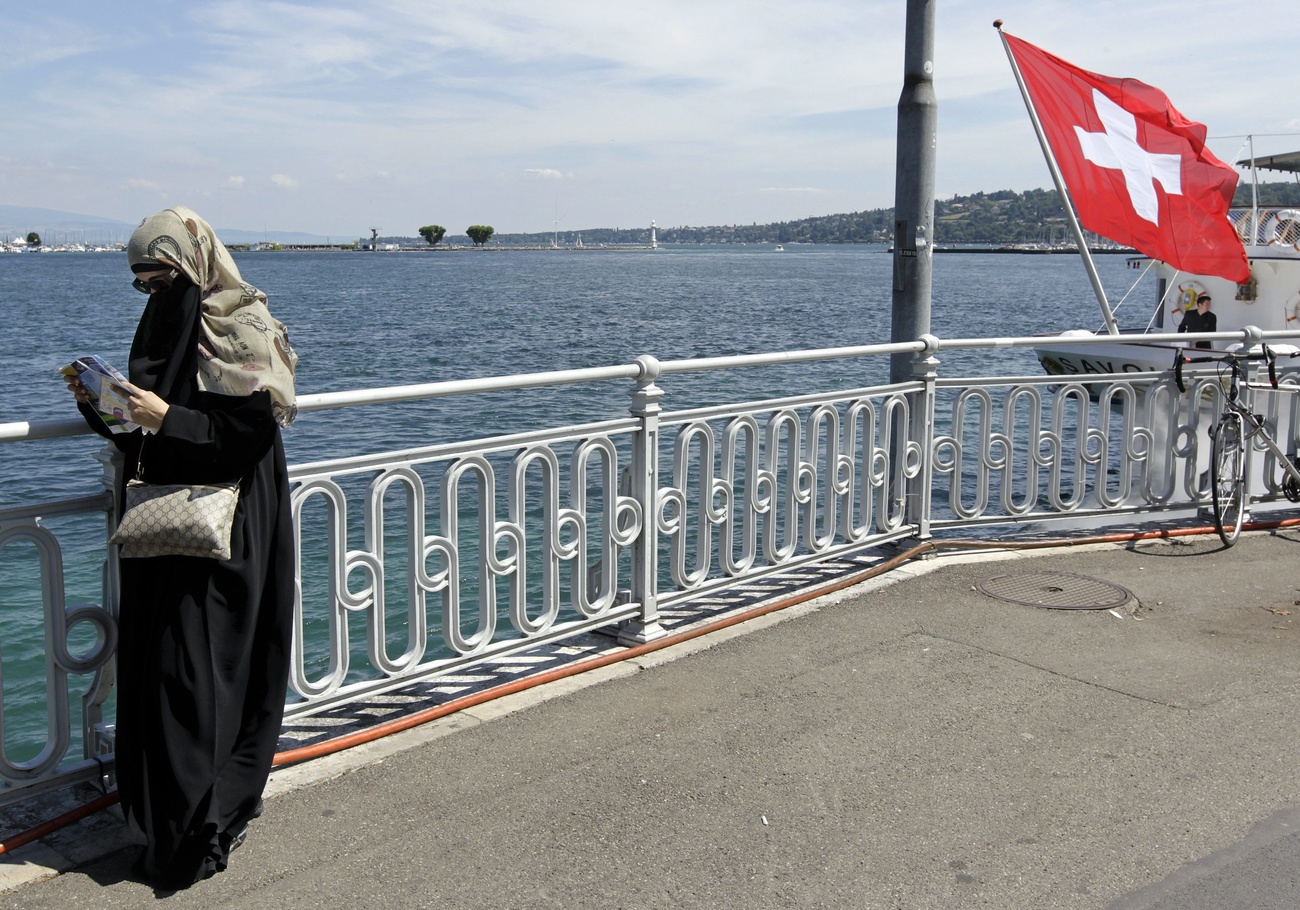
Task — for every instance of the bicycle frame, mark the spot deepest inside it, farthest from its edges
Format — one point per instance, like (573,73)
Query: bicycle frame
(1229,437)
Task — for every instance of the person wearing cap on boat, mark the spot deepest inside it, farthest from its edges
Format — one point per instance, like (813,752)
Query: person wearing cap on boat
(1200,320)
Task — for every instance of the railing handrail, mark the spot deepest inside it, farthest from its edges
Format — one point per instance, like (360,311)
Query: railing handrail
(647,367)
(611,523)
(57,428)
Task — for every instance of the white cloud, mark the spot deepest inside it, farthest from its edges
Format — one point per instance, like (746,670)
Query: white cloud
(34,43)
(234,181)
(668,109)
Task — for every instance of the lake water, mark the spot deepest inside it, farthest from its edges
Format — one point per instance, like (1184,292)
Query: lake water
(362,320)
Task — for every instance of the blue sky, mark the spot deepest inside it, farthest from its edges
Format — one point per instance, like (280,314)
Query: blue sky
(335,117)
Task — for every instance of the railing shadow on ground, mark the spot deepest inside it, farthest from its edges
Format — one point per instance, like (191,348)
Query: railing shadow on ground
(428,572)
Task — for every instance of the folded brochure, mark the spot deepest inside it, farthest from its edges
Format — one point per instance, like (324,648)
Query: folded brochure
(104,384)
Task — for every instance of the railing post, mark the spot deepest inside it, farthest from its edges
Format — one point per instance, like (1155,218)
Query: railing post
(925,369)
(645,489)
(98,738)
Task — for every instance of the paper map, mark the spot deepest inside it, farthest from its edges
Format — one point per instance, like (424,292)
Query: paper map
(107,396)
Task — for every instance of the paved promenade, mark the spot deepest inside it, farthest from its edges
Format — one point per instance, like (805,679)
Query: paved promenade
(912,742)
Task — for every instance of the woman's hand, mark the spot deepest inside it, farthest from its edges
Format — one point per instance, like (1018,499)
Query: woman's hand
(145,408)
(79,390)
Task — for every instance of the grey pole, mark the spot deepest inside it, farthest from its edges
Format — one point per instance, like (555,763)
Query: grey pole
(914,187)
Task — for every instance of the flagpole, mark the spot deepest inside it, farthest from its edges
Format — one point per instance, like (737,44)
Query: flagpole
(1111,326)
(1254,194)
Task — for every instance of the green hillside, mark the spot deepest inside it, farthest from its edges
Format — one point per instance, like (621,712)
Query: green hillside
(984,218)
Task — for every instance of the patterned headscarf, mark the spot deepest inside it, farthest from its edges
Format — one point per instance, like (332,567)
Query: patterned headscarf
(243,349)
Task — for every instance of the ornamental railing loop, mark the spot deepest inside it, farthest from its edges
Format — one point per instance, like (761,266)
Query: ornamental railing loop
(435,560)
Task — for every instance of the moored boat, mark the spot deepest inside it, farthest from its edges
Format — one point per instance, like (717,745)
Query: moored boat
(1131,168)
(1269,300)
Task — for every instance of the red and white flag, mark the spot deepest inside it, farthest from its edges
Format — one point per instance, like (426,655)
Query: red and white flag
(1137,170)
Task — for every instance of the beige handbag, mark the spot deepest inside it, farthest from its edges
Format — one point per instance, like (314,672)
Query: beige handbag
(172,519)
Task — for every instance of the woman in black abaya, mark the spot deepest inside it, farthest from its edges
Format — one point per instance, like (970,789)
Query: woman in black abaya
(203,658)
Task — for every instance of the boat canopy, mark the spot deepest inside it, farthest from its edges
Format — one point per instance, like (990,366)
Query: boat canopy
(1288,161)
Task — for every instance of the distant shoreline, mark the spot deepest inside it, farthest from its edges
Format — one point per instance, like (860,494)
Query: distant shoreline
(628,248)
(455,248)
(1035,251)
(504,248)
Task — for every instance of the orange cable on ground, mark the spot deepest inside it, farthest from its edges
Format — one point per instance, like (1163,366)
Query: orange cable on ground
(9,844)
(329,747)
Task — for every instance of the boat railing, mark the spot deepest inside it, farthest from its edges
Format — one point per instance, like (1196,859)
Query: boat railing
(432,562)
(1277,226)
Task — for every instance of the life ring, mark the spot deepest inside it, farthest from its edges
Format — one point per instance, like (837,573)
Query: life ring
(1288,230)
(1286,227)
(1292,311)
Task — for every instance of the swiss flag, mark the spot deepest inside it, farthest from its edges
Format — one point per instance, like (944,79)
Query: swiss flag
(1137,170)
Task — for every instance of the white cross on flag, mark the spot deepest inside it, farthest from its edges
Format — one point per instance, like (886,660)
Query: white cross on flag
(1137,170)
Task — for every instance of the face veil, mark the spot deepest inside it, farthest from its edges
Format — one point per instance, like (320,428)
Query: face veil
(165,351)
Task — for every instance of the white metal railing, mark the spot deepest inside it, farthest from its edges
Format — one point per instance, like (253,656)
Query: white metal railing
(1267,225)
(453,554)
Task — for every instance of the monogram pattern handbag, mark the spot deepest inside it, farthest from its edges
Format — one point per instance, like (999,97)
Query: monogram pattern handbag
(170,519)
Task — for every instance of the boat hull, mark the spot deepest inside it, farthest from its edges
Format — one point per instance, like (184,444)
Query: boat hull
(1060,357)
(1269,301)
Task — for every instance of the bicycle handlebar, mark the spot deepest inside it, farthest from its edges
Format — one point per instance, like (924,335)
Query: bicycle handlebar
(1233,357)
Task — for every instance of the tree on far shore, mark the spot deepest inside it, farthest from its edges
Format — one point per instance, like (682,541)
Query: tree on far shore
(480,233)
(33,239)
(433,233)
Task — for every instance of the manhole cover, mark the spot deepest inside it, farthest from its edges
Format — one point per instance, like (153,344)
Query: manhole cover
(1056,591)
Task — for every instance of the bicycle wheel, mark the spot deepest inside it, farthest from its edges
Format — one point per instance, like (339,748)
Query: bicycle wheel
(1227,485)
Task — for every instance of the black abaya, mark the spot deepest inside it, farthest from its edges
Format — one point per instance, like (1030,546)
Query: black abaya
(203,654)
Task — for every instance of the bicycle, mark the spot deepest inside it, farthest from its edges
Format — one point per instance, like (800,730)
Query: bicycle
(1236,425)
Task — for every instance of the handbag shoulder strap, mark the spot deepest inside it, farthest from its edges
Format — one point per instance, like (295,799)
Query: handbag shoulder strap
(139,458)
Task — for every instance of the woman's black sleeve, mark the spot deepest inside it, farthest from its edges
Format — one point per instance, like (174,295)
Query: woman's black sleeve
(96,423)
(214,443)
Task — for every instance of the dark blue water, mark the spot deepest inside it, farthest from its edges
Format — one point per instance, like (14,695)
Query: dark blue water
(365,320)
(361,320)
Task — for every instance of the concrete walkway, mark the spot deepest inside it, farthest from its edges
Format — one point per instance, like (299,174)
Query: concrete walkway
(910,743)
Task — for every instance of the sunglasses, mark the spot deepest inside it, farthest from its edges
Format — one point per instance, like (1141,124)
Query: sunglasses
(156,283)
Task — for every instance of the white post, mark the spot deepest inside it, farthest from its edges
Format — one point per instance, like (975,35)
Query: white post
(925,370)
(645,489)
(1254,195)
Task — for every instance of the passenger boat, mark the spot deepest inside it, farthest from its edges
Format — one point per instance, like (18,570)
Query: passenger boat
(1270,300)
(1130,167)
